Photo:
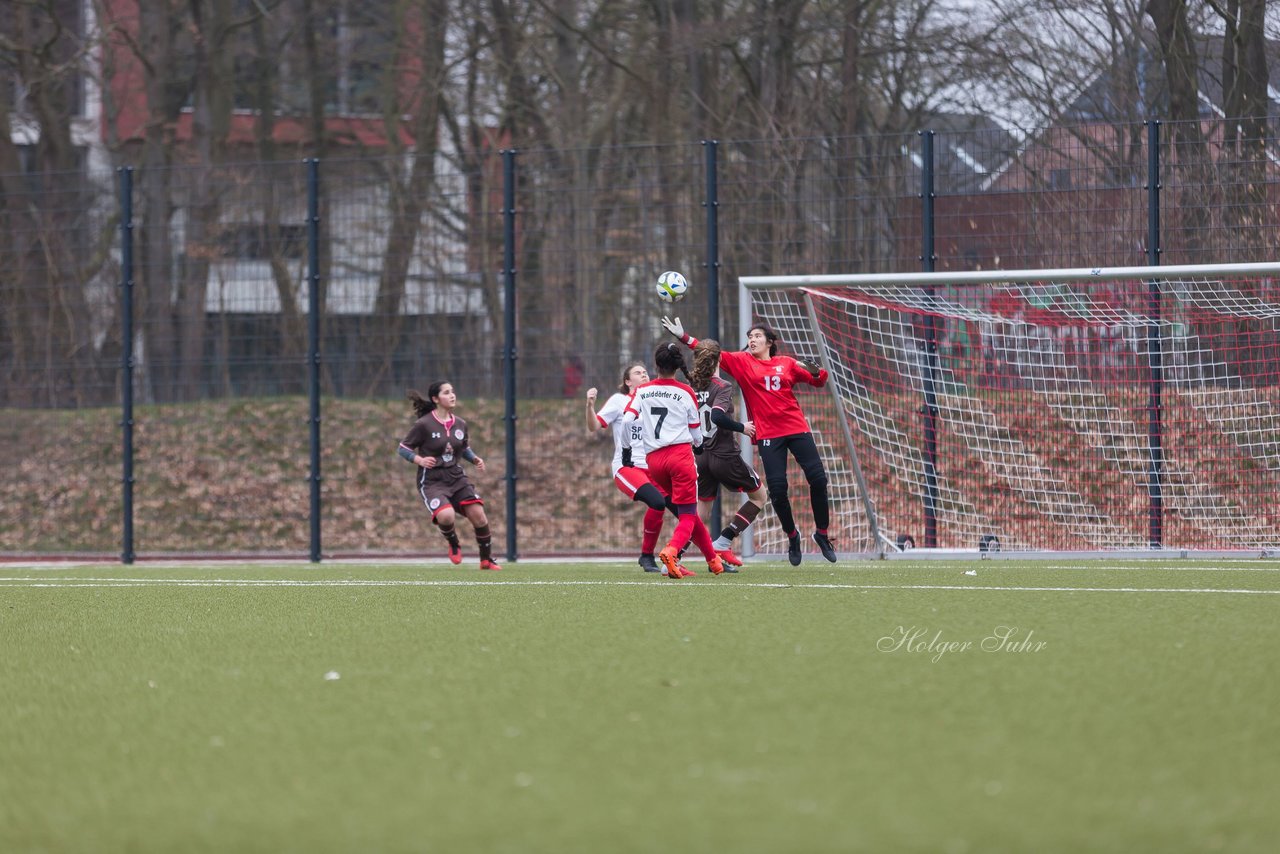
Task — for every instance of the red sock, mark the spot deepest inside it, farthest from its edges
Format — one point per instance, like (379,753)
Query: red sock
(702,539)
(684,530)
(652,530)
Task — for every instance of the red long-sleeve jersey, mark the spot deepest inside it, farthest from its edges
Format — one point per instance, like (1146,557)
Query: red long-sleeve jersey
(767,390)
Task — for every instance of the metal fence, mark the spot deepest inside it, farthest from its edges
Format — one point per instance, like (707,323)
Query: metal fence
(522,277)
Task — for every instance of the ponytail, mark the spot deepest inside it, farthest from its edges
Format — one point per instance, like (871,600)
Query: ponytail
(669,358)
(421,406)
(706,358)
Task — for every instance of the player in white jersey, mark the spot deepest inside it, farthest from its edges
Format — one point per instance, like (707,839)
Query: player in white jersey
(668,411)
(629,474)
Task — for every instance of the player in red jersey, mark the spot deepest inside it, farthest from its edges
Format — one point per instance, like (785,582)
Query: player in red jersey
(720,463)
(434,444)
(767,381)
(630,474)
(668,412)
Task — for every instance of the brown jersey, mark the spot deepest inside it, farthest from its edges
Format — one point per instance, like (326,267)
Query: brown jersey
(444,440)
(720,463)
(718,396)
(718,442)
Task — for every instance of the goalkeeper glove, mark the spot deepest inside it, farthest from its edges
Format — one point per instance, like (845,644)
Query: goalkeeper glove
(808,366)
(675,327)
(626,458)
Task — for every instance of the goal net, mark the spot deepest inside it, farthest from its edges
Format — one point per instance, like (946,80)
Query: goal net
(1052,410)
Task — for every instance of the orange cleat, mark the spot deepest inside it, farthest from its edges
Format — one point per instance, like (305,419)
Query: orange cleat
(667,557)
(729,557)
(489,564)
(715,565)
(455,553)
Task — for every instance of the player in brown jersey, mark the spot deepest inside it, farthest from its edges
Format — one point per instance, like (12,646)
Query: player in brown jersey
(435,444)
(720,463)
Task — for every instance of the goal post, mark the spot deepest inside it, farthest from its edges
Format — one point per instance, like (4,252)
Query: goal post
(1090,410)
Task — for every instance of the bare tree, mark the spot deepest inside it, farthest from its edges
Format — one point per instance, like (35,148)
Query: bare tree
(410,191)
(212,27)
(159,50)
(46,337)
(268,42)
(405,170)
(1245,105)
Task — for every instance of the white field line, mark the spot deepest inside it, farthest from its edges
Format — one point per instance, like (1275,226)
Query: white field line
(654,584)
(1119,564)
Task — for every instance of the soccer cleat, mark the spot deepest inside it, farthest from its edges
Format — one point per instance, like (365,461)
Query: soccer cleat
(455,552)
(489,564)
(648,564)
(824,543)
(793,550)
(669,560)
(715,565)
(685,571)
(729,557)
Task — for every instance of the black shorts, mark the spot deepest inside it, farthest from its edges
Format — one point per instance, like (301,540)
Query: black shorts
(457,494)
(730,472)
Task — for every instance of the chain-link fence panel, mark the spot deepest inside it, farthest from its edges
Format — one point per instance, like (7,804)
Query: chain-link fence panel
(1220,192)
(1065,197)
(219,370)
(60,355)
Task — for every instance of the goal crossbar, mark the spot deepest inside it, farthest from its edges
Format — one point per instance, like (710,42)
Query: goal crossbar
(985,277)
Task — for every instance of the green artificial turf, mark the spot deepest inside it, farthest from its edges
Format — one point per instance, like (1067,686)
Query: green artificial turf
(592,707)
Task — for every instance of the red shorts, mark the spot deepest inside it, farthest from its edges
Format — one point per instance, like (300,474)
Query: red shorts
(673,470)
(629,479)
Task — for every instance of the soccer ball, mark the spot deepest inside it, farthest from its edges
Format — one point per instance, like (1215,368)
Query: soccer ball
(671,286)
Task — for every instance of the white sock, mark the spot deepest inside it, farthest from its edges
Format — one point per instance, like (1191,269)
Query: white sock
(721,543)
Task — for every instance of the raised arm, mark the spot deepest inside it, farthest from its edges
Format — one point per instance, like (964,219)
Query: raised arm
(676,328)
(593,421)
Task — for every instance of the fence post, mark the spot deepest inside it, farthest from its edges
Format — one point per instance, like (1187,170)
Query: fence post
(509,336)
(929,348)
(126,361)
(313,343)
(712,205)
(1154,343)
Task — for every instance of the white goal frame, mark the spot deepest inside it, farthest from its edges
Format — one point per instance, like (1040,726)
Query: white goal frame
(754,291)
